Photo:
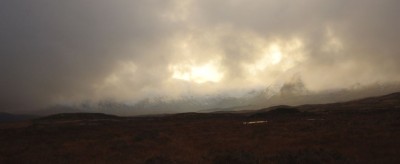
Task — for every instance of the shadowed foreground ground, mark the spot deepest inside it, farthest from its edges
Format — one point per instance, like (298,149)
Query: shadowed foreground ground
(364,131)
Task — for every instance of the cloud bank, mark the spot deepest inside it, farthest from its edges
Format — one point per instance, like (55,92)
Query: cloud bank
(54,52)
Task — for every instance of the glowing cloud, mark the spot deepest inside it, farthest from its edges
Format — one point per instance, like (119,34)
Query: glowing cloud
(197,73)
(278,56)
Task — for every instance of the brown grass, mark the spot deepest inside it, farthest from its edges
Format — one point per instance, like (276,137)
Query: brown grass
(334,136)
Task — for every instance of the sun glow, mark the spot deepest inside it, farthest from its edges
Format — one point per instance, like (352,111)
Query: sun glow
(198,74)
(278,56)
(272,56)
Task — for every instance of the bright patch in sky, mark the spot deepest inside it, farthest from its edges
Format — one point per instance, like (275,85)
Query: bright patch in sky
(276,54)
(198,74)
(272,56)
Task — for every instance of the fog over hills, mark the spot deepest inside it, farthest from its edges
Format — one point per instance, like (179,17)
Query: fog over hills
(291,93)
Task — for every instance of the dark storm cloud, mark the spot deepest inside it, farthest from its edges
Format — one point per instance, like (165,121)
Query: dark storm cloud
(65,51)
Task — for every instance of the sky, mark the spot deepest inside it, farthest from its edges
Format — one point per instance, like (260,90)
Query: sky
(60,52)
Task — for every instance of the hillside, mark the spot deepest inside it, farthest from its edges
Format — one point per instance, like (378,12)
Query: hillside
(7,117)
(360,131)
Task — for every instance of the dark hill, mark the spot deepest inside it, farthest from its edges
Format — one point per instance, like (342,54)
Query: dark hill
(7,117)
(360,131)
(78,116)
(386,102)
(283,111)
(277,112)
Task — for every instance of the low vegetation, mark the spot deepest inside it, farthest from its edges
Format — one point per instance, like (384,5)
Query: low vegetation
(363,131)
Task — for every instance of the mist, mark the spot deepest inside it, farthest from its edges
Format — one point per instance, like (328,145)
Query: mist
(73,53)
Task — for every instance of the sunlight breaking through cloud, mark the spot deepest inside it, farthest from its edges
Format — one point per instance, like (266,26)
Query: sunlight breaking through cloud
(198,74)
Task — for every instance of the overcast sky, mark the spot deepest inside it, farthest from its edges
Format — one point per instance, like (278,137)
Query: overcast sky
(74,50)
